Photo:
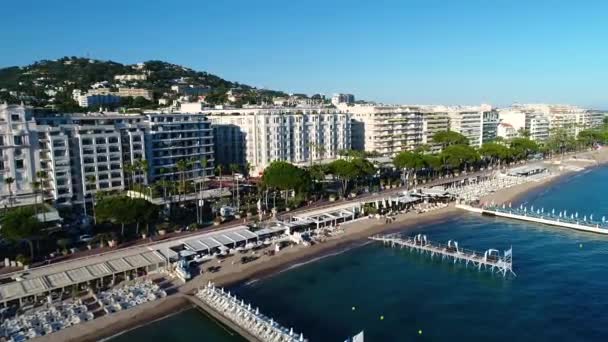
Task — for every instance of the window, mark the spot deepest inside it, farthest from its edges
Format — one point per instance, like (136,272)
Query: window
(19,164)
(18,140)
(15,117)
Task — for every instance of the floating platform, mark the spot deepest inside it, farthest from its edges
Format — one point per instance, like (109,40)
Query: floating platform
(490,260)
(245,317)
(551,219)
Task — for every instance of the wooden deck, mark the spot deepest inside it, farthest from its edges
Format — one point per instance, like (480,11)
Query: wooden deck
(489,260)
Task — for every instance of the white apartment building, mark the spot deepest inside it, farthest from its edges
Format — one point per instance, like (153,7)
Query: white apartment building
(538,126)
(387,130)
(337,99)
(18,153)
(467,121)
(134,92)
(131,77)
(98,147)
(86,153)
(506,131)
(259,136)
(540,119)
(433,122)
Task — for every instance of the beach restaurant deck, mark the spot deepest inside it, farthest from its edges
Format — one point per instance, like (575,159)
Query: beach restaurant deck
(329,216)
(527,170)
(34,285)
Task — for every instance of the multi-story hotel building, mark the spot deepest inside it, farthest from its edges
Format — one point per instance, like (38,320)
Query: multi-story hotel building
(82,154)
(540,119)
(387,130)
(174,137)
(434,121)
(477,123)
(258,136)
(18,153)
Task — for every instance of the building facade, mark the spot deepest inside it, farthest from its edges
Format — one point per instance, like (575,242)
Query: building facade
(171,138)
(296,135)
(337,99)
(387,130)
(18,152)
(433,123)
(82,154)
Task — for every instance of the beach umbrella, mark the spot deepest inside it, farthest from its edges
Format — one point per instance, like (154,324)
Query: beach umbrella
(532,208)
(560,214)
(542,210)
(571,216)
(538,211)
(591,217)
(525,209)
(553,212)
(576,215)
(521,206)
(603,219)
(585,218)
(509,204)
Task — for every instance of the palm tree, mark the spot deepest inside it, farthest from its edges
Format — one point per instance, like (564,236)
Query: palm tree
(129,169)
(219,168)
(144,167)
(234,168)
(9,182)
(91,181)
(182,167)
(204,164)
(163,181)
(36,188)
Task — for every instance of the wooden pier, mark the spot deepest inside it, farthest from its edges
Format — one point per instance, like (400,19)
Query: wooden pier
(548,218)
(490,260)
(256,326)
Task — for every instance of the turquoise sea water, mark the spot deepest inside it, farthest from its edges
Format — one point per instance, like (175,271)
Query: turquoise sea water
(560,292)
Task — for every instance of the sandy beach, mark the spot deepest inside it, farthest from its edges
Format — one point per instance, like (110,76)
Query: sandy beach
(355,233)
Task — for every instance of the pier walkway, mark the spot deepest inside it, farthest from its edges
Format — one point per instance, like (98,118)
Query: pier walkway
(245,316)
(489,260)
(552,218)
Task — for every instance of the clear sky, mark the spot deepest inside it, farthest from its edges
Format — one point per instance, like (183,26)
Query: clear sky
(403,51)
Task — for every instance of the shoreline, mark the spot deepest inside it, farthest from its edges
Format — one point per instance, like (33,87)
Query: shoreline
(107,327)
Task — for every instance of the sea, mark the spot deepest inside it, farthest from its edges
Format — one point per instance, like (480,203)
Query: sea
(559,293)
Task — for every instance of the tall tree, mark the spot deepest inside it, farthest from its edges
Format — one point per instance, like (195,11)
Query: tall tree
(494,152)
(449,138)
(21,224)
(182,166)
(345,171)
(521,148)
(457,156)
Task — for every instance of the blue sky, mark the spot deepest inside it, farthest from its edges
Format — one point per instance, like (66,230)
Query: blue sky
(408,51)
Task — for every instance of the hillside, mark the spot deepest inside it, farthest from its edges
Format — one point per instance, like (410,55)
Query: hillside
(51,83)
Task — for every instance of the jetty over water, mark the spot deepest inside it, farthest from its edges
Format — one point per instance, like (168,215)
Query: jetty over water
(551,217)
(490,260)
(245,317)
